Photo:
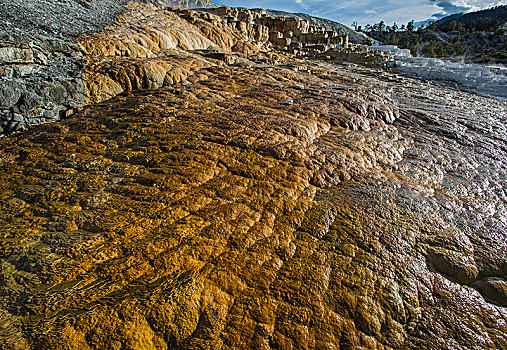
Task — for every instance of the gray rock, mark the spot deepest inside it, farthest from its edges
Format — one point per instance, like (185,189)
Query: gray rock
(10,92)
(28,101)
(56,93)
(40,60)
(15,55)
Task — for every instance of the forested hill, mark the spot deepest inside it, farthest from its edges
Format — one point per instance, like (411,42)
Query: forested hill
(489,20)
(476,37)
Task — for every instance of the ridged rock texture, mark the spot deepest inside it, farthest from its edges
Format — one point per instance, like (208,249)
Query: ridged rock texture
(53,62)
(213,200)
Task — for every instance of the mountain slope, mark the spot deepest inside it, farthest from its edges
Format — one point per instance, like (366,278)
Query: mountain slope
(485,20)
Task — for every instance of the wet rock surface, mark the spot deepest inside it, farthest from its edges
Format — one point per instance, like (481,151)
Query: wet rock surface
(192,206)
(209,214)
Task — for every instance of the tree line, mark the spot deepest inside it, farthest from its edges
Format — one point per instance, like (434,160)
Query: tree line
(478,37)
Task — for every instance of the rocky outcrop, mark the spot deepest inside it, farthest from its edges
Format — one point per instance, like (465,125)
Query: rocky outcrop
(188,4)
(111,78)
(286,33)
(40,80)
(46,75)
(40,63)
(48,72)
(151,46)
(320,24)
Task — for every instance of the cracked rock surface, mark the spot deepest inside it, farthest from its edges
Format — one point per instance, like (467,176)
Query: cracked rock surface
(208,214)
(191,207)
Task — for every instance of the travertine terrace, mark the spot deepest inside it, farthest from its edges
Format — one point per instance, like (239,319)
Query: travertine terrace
(210,192)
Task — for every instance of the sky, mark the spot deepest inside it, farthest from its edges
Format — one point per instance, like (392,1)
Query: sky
(370,11)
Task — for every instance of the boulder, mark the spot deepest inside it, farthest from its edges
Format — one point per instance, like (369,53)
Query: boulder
(10,92)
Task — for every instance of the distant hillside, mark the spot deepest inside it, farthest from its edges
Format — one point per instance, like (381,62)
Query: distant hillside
(475,37)
(486,20)
(354,37)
